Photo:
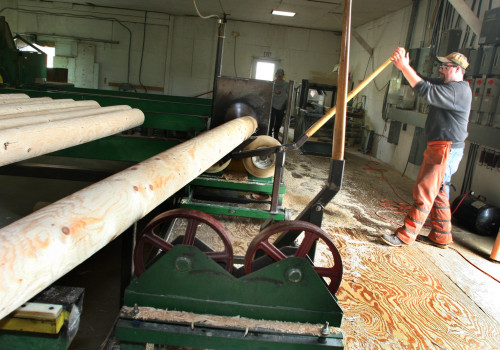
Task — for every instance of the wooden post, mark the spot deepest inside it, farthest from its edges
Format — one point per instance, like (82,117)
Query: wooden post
(495,252)
(30,141)
(342,87)
(40,248)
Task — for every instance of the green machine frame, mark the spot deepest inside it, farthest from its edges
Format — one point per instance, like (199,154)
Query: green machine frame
(176,119)
(187,280)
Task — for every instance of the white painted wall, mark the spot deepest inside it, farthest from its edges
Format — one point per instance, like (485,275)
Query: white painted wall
(179,52)
(194,48)
(384,35)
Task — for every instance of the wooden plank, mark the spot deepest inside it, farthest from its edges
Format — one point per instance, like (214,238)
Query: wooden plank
(138,87)
(35,317)
(43,246)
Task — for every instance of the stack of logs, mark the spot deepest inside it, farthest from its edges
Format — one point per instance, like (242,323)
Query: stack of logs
(40,248)
(31,127)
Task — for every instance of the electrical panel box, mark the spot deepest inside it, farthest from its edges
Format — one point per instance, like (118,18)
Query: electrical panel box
(475,58)
(394,131)
(490,95)
(485,119)
(466,52)
(495,121)
(394,86)
(490,30)
(414,58)
(425,61)
(450,41)
(487,60)
(477,94)
(495,68)
(474,117)
(407,97)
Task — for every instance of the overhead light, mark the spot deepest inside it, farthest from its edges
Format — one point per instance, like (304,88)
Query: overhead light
(283,13)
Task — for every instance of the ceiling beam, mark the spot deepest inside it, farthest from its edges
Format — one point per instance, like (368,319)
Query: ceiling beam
(468,15)
(362,42)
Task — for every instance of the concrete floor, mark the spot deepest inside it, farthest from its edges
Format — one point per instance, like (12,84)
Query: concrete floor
(100,275)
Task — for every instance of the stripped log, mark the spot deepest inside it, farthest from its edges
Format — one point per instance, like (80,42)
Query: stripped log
(40,248)
(44,117)
(43,111)
(54,104)
(30,141)
(25,100)
(8,96)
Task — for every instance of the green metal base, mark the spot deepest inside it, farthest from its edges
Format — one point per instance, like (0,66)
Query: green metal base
(185,279)
(233,210)
(118,148)
(219,205)
(32,341)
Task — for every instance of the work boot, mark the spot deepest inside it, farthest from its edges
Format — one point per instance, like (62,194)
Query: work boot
(427,240)
(393,240)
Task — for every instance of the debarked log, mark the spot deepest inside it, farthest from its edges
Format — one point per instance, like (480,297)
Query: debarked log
(22,119)
(24,142)
(40,248)
(45,106)
(13,96)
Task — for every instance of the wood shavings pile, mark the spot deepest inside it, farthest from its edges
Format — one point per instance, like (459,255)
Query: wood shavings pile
(243,323)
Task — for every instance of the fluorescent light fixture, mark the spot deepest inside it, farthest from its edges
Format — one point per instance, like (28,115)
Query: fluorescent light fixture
(283,13)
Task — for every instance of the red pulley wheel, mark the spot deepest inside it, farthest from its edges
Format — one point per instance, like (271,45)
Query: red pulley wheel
(194,219)
(312,233)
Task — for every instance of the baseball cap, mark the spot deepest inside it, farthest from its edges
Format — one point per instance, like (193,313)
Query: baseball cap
(455,57)
(280,71)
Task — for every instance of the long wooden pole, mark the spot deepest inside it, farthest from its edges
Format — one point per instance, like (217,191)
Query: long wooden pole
(45,111)
(342,86)
(40,248)
(30,141)
(8,101)
(48,105)
(23,119)
(14,96)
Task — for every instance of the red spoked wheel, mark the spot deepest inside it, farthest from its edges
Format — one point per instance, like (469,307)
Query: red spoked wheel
(262,242)
(151,237)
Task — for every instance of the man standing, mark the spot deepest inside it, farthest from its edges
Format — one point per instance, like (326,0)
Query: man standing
(449,101)
(280,96)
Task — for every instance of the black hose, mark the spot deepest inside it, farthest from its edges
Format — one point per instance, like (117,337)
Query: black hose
(142,51)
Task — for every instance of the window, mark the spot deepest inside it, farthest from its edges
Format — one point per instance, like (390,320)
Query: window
(49,51)
(264,69)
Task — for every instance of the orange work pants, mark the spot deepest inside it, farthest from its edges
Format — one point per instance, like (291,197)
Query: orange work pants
(429,197)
